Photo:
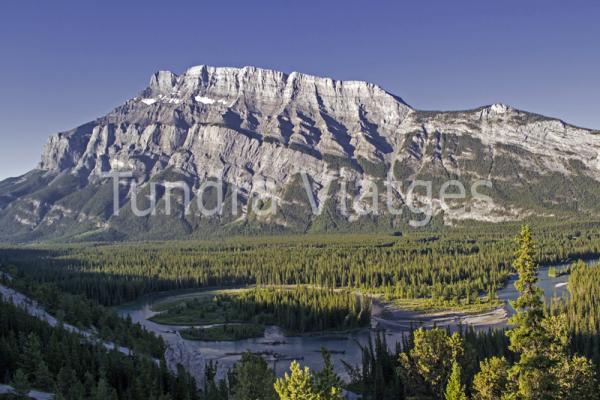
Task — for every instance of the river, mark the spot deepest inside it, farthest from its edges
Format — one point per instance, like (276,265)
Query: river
(279,349)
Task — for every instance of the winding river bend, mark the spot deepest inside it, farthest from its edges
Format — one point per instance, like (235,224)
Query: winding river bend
(279,350)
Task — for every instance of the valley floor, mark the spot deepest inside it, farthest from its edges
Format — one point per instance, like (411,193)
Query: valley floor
(279,349)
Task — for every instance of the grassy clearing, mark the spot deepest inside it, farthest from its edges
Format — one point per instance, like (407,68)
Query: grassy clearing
(433,306)
(224,333)
(177,300)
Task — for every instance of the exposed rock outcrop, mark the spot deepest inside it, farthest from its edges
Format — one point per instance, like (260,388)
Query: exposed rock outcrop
(258,129)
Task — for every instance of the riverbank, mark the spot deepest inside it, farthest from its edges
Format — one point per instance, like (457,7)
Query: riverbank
(388,316)
(7,390)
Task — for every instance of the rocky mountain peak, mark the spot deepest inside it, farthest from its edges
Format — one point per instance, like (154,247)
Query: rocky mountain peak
(256,84)
(499,108)
(245,126)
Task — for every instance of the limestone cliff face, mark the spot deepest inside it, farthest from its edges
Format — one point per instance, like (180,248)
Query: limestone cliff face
(225,122)
(248,125)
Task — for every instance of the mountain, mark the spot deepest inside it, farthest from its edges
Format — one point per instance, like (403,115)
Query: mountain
(263,133)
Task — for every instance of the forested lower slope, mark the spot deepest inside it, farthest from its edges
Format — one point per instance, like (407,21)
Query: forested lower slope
(35,355)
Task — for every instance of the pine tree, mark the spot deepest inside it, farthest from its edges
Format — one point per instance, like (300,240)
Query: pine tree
(103,391)
(326,379)
(430,360)
(213,390)
(31,356)
(66,380)
(577,379)
(251,378)
(20,383)
(43,380)
(532,372)
(544,369)
(298,385)
(491,381)
(455,390)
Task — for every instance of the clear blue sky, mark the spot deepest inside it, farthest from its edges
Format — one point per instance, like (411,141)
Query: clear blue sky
(63,63)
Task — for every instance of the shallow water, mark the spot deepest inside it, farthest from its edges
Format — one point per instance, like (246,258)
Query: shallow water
(306,349)
(274,345)
(552,287)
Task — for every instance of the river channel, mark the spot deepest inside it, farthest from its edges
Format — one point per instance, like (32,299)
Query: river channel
(279,350)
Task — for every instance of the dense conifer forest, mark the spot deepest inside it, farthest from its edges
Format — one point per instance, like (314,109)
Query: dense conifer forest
(306,283)
(35,355)
(458,264)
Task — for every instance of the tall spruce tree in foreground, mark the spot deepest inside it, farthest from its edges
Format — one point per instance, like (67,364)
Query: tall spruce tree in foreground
(545,370)
(532,372)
